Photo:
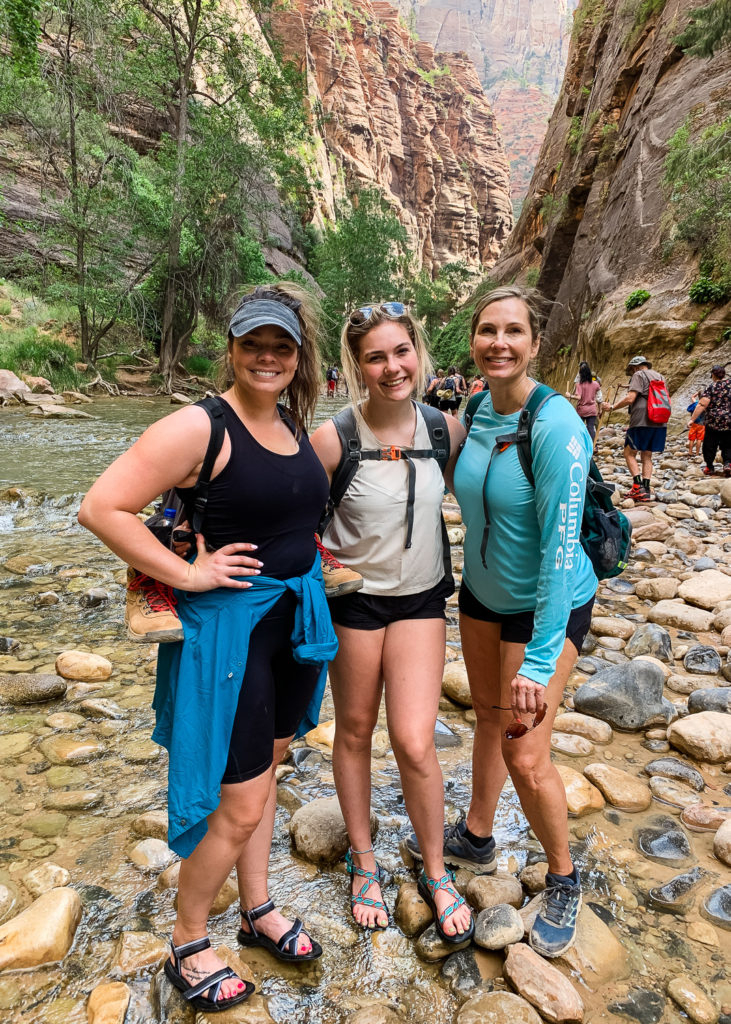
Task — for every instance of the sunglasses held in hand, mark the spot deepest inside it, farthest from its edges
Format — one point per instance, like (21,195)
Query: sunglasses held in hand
(517,728)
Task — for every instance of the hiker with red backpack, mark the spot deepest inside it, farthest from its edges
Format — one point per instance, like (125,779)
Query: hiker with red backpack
(251,668)
(649,403)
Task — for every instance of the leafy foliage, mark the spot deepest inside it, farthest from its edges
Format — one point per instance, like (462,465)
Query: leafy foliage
(362,258)
(709,29)
(637,298)
(705,290)
(698,176)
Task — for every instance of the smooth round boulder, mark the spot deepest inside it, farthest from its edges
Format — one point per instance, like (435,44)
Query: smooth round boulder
(455,684)
(318,830)
(83,666)
(702,660)
(499,926)
(497,1008)
(706,736)
(108,1003)
(650,638)
(30,687)
(722,843)
(43,933)
(543,985)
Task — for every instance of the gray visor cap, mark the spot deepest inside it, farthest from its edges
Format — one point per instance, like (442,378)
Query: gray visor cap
(260,312)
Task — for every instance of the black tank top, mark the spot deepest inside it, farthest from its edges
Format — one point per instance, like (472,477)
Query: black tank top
(272,500)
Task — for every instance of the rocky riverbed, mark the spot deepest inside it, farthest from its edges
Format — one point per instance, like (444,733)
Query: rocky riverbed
(643,744)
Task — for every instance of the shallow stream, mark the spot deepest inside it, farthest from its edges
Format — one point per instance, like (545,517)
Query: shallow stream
(51,462)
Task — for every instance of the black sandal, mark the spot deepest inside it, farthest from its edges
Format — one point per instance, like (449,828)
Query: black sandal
(194,993)
(286,948)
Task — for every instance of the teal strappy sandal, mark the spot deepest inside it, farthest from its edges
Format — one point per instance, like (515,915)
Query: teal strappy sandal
(428,888)
(360,897)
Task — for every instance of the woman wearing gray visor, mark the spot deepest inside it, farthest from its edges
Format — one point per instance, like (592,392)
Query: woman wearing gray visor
(251,669)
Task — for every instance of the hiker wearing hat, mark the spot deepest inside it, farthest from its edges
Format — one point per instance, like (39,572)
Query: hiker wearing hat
(715,402)
(649,404)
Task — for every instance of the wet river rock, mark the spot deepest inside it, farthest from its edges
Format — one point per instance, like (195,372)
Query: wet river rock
(702,659)
(629,697)
(43,933)
(108,1003)
(649,638)
(717,907)
(318,830)
(663,841)
(678,892)
(706,736)
(674,768)
(716,699)
(84,667)
(543,985)
(641,1004)
(30,687)
(497,1008)
(498,927)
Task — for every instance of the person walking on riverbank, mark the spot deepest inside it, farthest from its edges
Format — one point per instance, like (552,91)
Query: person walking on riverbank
(252,666)
(645,436)
(587,394)
(715,403)
(525,602)
(392,633)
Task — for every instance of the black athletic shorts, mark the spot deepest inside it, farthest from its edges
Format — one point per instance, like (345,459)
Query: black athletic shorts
(274,694)
(373,611)
(518,628)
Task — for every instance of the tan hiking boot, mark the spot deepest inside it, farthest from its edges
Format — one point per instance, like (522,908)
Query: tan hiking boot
(150,612)
(339,580)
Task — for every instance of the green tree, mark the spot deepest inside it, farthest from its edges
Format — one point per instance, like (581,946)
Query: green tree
(709,29)
(362,258)
(62,106)
(233,116)
(20,26)
(435,299)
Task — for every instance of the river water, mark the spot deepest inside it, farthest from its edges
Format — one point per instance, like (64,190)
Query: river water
(46,466)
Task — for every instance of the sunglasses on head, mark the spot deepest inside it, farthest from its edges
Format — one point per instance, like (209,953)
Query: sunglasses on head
(517,728)
(363,314)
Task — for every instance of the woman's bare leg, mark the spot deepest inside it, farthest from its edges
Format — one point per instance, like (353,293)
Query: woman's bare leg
(252,867)
(356,678)
(413,685)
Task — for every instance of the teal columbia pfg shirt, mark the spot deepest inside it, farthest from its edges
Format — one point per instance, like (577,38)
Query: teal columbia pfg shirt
(535,561)
(199,679)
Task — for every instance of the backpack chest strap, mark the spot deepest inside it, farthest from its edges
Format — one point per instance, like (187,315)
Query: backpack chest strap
(393,453)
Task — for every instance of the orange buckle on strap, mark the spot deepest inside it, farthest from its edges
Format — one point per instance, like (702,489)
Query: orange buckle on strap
(391,454)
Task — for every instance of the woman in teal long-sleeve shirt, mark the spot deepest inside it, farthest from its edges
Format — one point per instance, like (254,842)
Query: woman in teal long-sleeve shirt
(525,602)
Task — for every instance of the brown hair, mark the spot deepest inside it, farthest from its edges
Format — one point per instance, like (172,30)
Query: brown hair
(300,397)
(350,344)
(534,302)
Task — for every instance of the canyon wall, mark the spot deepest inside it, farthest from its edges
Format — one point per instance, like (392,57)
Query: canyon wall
(519,48)
(597,223)
(389,113)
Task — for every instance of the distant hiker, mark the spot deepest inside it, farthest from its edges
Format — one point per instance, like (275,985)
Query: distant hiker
(332,380)
(451,391)
(649,403)
(587,395)
(696,429)
(478,384)
(716,403)
(433,386)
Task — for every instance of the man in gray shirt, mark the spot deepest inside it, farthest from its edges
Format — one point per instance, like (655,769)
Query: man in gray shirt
(643,437)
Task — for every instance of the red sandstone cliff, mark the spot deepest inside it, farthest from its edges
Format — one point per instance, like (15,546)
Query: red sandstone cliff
(597,223)
(392,115)
(519,48)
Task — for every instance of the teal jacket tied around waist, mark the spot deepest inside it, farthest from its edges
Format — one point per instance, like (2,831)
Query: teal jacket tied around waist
(199,679)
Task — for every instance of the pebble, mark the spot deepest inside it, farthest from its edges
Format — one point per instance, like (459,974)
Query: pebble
(411,913)
(649,638)
(706,736)
(644,1005)
(73,800)
(498,926)
(618,787)
(101,707)
(669,791)
(64,720)
(584,725)
(108,1003)
(455,684)
(30,687)
(151,855)
(674,768)
(95,597)
(702,818)
(605,625)
(431,948)
(45,877)
(574,746)
(662,841)
(581,796)
(702,660)
(137,951)
(61,749)
(722,843)
(43,932)
(543,985)
(717,907)
(484,891)
(692,1000)
(13,744)
(497,1008)
(702,931)
(151,824)
(82,666)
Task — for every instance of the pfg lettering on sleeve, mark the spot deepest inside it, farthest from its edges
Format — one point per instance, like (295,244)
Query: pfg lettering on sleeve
(576,500)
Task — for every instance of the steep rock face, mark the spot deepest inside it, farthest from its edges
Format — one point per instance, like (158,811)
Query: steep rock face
(596,223)
(391,115)
(519,48)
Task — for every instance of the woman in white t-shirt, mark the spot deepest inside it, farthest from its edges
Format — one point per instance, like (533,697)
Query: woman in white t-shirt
(392,632)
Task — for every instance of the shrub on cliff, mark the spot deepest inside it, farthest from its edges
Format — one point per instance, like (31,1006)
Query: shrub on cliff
(636,298)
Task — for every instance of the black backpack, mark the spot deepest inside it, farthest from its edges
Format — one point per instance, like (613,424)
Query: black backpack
(606,532)
(194,508)
(353,454)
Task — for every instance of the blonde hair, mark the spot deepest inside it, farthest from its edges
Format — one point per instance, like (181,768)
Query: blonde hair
(534,302)
(300,397)
(350,338)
